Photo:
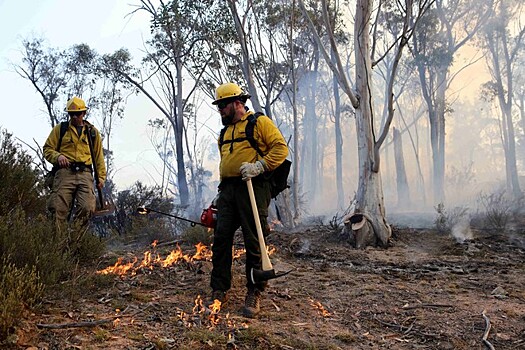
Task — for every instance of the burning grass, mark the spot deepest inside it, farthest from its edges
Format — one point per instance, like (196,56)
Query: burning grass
(152,259)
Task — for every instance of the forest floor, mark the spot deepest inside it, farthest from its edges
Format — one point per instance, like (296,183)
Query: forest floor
(426,291)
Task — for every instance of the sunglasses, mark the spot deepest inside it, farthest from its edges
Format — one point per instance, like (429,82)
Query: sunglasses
(223,104)
(74,114)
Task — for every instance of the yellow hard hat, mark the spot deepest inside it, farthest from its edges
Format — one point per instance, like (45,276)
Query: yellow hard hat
(229,90)
(76,104)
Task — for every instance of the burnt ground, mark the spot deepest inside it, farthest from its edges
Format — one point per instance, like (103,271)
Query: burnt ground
(426,291)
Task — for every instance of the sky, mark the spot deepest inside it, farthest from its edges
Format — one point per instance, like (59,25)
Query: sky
(105,26)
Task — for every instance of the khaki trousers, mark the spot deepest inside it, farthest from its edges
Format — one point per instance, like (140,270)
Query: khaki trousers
(69,185)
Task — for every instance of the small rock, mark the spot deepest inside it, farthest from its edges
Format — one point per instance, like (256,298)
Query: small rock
(499,293)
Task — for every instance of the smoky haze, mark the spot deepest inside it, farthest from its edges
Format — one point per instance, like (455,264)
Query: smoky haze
(479,109)
(477,163)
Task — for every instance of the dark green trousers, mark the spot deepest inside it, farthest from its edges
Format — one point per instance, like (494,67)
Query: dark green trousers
(233,211)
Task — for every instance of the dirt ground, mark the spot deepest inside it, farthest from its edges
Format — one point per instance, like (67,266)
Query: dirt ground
(426,291)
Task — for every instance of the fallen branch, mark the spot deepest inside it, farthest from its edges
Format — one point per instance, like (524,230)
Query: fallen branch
(487,330)
(419,306)
(406,330)
(170,243)
(75,324)
(89,323)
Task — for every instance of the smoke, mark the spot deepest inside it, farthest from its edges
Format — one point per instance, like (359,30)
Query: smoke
(461,230)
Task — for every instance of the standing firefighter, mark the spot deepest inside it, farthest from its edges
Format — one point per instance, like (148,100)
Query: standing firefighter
(67,148)
(241,161)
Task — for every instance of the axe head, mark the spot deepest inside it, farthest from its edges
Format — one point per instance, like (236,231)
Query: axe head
(107,208)
(259,276)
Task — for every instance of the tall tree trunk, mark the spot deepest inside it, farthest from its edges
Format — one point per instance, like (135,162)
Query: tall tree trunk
(403,193)
(179,134)
(295,185)
(311,178)
(246,64)
(338,146)
(509,143)
(369,197)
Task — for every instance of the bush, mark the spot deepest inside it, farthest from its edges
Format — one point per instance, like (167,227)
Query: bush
(36,242)
(446,220)
(19,287)
(497,209)
(21,184)
(148,228)
(137,196)
(197,234)
(32,252)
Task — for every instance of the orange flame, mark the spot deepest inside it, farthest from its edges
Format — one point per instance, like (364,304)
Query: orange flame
(320,308)
(150,260)
(119,268)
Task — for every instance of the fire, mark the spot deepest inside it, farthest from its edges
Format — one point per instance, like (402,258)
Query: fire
(151,259)
(119,268)
(274,223)
(320,308)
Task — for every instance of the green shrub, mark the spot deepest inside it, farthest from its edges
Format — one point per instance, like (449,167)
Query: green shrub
(34,242)
(21,184)
(19,287)
(197,234)
(136,196)
(147,228)
(33,253)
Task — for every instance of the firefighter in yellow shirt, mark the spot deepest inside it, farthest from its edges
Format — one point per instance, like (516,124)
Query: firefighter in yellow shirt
(71,158)
(241,161)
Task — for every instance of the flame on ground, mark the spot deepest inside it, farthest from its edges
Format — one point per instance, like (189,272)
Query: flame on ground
(320,308)
(151,259)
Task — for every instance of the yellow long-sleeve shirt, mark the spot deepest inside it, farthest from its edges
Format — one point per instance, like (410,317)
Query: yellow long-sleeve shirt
(75,148)
(268,137)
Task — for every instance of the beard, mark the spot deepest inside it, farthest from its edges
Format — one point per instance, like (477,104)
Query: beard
(227,118)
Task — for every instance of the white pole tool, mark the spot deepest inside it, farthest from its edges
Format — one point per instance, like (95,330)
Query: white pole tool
(267,272)
(266,263)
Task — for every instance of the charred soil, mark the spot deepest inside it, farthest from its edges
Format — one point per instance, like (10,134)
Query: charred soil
(426,291)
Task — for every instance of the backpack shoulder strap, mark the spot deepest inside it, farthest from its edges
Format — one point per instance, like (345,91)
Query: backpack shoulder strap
(221,136)
(63,129)
(252,121)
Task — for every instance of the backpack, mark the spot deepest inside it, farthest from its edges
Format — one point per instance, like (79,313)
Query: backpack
(278,177)
(50,176)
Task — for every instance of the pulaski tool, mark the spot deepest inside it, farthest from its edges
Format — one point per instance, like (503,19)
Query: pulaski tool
(267,272)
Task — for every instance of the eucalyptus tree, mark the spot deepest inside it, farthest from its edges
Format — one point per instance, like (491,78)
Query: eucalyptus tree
(176,52)
(54,73)
(504,41)
(111,98)
(253,48)
(519,102)
(369,202)
(58,74)
(444,30)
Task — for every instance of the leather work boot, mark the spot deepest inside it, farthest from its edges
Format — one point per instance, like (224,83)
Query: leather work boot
(219,295)
(252,303)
